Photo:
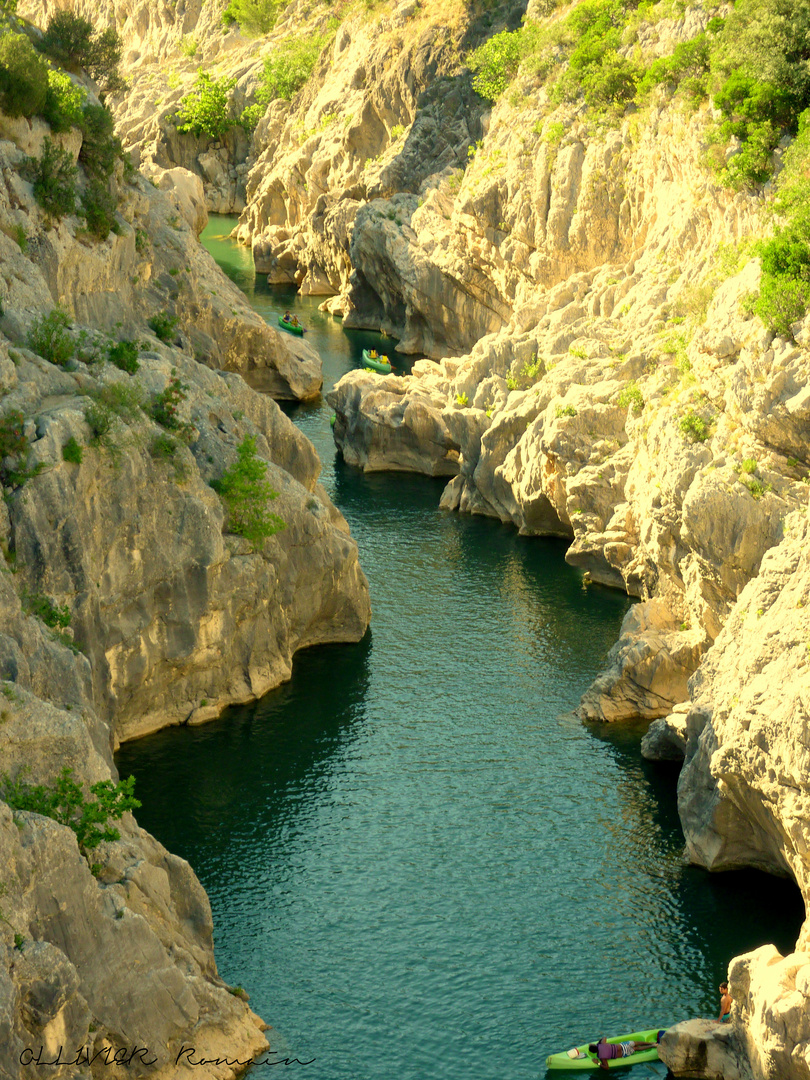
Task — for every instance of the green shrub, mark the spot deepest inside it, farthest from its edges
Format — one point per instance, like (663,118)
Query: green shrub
(246,493)
(206,110)
(462,400)
(255,17)
(288,67)
(68,39)
(749,465)
(694,427)
(165,448)
(496,63)
(163,325)
(101,147)
(13,442)
(782,301)
(100,419)
(105,56)
(44,609)
(757,487)
(565,410)
(124,354)
(14,450)
(165,406)
(49,338)
(23,76)
(72,452)
(115,400)
(54,177)
(762,59)
(64,801)
(686,70)
(98,207)
(64,102)
(124,399)
(631,397)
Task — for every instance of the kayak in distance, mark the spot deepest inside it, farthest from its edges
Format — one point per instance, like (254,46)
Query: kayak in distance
(293,327)
(579,1057)
(377,363)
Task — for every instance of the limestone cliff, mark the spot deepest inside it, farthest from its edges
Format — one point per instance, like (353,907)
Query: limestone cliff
(577,286)
(131,599)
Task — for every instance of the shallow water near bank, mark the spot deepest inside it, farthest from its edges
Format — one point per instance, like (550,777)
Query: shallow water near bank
(420,864)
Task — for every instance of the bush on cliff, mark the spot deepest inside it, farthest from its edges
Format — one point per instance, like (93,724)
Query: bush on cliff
(72,42)
(49,338)
(98,206)
(65,802)
(68,39)
(64,102)
(784,295)
(761,71)
(255,17)
(54,178)
(101,147)
(246,493)
(496,63)
(289,66)
(206,110)
(23,77)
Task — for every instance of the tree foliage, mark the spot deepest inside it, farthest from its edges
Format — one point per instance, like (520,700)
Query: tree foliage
(23,76)
(65,802)
(246,493)
(206,110)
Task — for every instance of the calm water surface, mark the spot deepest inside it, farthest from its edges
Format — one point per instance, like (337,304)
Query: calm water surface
(420,866)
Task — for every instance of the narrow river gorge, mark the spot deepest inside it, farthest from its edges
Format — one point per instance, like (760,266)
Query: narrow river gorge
(419,862)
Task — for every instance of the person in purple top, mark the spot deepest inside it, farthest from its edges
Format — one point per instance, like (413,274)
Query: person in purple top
(606,1051)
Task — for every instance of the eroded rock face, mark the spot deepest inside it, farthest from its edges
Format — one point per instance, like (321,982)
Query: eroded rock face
(771,1014)
(170,611)
(154,266)
(171,615)
(123,959)
(748,723)
(705,1050)
(381,425)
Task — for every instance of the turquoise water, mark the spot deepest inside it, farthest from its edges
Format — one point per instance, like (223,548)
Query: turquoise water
(420,865)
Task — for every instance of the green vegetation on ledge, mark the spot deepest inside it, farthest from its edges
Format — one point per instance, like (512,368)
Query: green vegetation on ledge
(246,492)
(755,64)
(65,802)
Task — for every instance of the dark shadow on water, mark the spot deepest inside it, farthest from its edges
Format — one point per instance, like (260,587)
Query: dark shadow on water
(721,914)
(233,773)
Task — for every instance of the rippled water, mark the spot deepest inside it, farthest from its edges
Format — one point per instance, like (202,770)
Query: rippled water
(420,865)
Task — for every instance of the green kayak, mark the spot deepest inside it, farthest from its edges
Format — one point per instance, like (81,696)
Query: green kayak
(379,363)
(588,1061)
(293,329)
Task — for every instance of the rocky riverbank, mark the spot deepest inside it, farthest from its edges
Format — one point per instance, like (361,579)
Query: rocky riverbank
(132,598)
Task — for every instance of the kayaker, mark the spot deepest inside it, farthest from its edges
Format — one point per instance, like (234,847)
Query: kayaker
(373,354)
(286,316)
(725,1003)
(606,1051)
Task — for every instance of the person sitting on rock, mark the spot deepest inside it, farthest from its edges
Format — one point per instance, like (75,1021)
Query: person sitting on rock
(725,1003)
(606,1051)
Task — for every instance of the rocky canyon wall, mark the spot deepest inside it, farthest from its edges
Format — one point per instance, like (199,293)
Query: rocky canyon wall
(590,370)
(129,369)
